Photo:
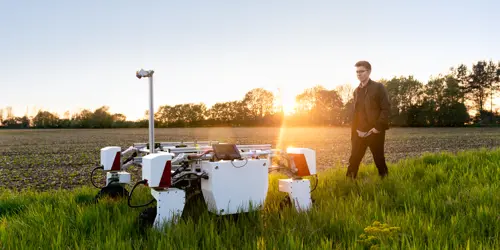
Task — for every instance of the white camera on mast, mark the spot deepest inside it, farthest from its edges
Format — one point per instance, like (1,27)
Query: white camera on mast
(144,73)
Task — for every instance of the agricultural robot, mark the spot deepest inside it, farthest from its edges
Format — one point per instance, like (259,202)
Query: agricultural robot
(230,178)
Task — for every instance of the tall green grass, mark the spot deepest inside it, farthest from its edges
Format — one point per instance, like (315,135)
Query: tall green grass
(438,201)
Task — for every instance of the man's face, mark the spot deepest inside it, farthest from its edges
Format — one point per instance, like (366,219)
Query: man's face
(362,73)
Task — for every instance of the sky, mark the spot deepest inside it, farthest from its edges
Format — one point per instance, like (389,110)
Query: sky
(71,55)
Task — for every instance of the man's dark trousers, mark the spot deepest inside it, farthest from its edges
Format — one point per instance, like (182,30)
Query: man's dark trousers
(359,145)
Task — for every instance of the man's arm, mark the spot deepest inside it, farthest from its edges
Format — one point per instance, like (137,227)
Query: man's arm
(385,107)
(353,115)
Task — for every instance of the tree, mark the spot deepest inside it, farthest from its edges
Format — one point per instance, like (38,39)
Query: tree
(432,101)
(194,113)
(319,106)
(306,100)
(327,108)
(228,113)
(102,118)
(493,74)
(10,114)
(82,119)
(259,103)
(45,119)
(181,114)
(118,118)
(404,93)
(478,84)
(347,112)
(66,115)
(305,103)
(345,91)
(434,89)
(162,116)
(453,93)
(24,121)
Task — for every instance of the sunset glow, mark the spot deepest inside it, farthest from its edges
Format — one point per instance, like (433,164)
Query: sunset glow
(288,105)
(285,100)
(220,54)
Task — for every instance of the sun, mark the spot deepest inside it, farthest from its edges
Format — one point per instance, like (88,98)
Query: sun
(285,102)
(288,106)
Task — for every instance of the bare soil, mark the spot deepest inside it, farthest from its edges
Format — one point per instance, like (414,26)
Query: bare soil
(52,159)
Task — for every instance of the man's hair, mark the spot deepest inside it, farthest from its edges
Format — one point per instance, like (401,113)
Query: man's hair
(365,64)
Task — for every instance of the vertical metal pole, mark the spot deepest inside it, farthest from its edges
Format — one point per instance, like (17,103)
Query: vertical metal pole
(151,117)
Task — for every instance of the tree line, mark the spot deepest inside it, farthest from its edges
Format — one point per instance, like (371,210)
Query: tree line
(462,97)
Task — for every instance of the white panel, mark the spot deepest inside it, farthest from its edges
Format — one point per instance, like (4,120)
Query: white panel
(233,185)
(108,155)
(153,166)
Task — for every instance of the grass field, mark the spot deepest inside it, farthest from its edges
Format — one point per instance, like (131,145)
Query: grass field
(439,201)
(431,200)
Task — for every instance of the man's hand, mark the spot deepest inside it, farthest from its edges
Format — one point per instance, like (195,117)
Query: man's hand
(366,134)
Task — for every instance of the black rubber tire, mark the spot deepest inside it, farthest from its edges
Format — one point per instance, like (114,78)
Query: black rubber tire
(194,207)
(286,202)
(146,219)
(113,192)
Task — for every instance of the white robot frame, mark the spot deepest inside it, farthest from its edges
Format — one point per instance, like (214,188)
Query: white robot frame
(232,178)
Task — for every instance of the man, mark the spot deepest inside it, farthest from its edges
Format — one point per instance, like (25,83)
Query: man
(370,121)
